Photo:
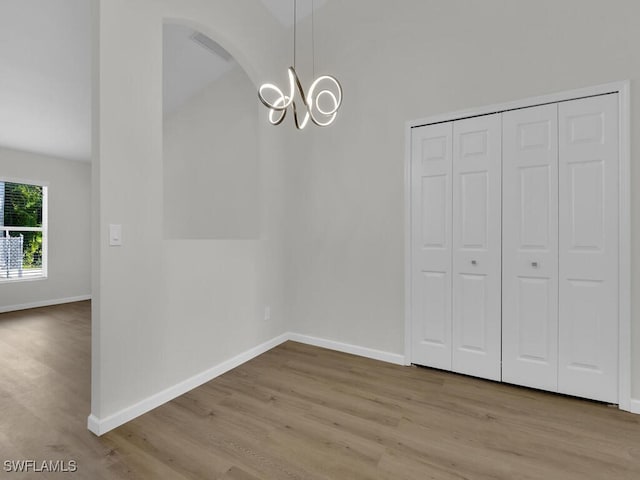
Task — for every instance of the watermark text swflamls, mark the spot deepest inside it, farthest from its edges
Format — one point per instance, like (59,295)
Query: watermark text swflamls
(48,466)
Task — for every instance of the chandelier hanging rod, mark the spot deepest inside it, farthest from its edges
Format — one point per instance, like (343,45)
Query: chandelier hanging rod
(279,102)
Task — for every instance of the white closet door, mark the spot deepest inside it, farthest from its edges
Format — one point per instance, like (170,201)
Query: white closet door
(530,247)
(588,176)
(431,245)
(476,246)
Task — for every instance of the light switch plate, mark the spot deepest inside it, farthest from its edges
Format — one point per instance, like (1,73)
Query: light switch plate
(115,235)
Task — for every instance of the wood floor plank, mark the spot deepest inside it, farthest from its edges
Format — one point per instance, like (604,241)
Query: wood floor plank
(235,473)
(300,412)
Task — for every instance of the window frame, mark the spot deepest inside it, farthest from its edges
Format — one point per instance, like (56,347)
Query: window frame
(44,229)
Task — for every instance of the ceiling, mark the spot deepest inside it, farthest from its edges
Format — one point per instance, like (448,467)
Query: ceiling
(45,71)
(45,77)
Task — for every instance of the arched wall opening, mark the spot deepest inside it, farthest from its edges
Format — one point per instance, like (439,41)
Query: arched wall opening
(211,166)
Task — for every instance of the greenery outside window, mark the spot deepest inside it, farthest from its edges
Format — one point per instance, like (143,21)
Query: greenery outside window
(23,231)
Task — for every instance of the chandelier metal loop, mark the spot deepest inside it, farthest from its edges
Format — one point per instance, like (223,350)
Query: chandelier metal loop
(325,89)
(325,86)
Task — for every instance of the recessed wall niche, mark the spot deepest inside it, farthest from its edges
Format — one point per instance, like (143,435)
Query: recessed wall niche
(210,158)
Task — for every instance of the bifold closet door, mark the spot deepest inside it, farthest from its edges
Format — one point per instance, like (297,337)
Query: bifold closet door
(530,247)
(476,246)
(588,310)
(431,214)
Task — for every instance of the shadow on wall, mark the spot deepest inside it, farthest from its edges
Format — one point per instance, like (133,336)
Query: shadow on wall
(210,159)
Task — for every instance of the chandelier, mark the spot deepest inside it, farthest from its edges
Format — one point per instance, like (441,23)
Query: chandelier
(321,102)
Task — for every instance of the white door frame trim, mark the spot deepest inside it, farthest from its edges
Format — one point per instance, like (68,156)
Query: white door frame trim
(622,88)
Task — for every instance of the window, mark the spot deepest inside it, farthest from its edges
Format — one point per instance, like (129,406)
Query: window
(23,231)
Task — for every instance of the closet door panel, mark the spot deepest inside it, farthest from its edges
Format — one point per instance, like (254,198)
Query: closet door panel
(431,214)
(476,246)
(530,247)
(588,175)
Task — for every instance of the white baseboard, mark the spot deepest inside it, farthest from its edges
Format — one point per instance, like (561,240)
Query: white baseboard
(93,424)
(43,303)
(634,406)
(348,348)
(100,426)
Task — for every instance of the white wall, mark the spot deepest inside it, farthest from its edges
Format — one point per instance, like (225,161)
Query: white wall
(211,163)
(400,61)
(159,319)
(331,245)
(69,232)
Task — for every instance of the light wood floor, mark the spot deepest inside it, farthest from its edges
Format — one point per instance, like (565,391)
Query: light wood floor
(300,412)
